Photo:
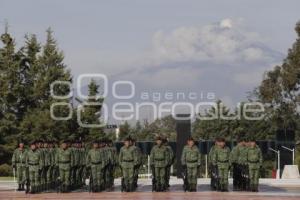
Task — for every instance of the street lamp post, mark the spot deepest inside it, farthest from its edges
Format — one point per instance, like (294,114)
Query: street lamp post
(278,162)
(292,150)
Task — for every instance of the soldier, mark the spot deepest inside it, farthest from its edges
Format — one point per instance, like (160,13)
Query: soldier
(213,168)
(63,158)
(96,162)
(76,165)
(138,152)
(159,162)
(221,158)
(83,156)
(110,169)
(55,169)
(191,160)
(19,165)
(50,173)
(128,161)
(81,163)
(47,163)
(255,159)
(171,159)
(39,147)
(34,163)
(237,159)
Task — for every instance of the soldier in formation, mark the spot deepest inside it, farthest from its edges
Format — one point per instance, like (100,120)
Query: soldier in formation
(46,166)
(238,159)
(19,165)
(96,161)
(213,169)
(34,163)
(171,159)
(190,161)
(159,160)
(220,158)
(129,161)
(254,161)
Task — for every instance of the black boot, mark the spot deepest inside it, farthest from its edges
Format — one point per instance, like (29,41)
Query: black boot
(19,187)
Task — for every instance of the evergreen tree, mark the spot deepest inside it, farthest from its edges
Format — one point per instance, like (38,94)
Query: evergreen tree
(91,114)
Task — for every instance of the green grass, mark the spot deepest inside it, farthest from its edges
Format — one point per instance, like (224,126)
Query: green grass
(6,178)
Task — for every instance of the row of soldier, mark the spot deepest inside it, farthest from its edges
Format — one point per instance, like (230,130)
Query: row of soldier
(45,166)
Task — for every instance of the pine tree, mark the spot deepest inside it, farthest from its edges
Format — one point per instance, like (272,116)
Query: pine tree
(91,113)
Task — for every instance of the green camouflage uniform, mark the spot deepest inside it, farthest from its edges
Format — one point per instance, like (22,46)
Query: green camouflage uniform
(191,159)
(82,161)
(138,152)
(19,163)
(255,159)
(64,159)
(76,167)
(42,170)
(213,181)
(47,173)
(109,172)
(128,160)
(171,158)
(221,158)
(34,163)
(159,161)
(236,174)
(97,160)
(51,172)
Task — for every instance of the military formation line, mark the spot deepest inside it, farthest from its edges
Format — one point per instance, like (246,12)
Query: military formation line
(46,166)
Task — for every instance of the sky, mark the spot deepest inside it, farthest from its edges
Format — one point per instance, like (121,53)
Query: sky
(200,46)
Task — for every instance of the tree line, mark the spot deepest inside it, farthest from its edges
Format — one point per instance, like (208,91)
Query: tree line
(27,71)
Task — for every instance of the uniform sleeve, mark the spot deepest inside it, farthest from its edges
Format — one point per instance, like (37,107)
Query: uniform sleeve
(136,156)
(214,157)
(260,157)
(88,160)
(120,156)
(13,159)
(41,160)
(183,157)
(233,155)
(152,156)
(199,158)
(56,157)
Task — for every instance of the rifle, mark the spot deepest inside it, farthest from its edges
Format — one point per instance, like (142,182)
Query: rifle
(153,178)
(184,177)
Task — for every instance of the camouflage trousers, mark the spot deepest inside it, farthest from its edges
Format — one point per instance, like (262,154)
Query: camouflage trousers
(21,173)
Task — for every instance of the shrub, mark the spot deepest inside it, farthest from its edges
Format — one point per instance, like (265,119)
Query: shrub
(5,170)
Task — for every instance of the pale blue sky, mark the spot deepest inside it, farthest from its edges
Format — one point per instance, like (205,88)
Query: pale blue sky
(154,42)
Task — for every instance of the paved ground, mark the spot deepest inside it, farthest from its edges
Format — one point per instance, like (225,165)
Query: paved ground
(269,190)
